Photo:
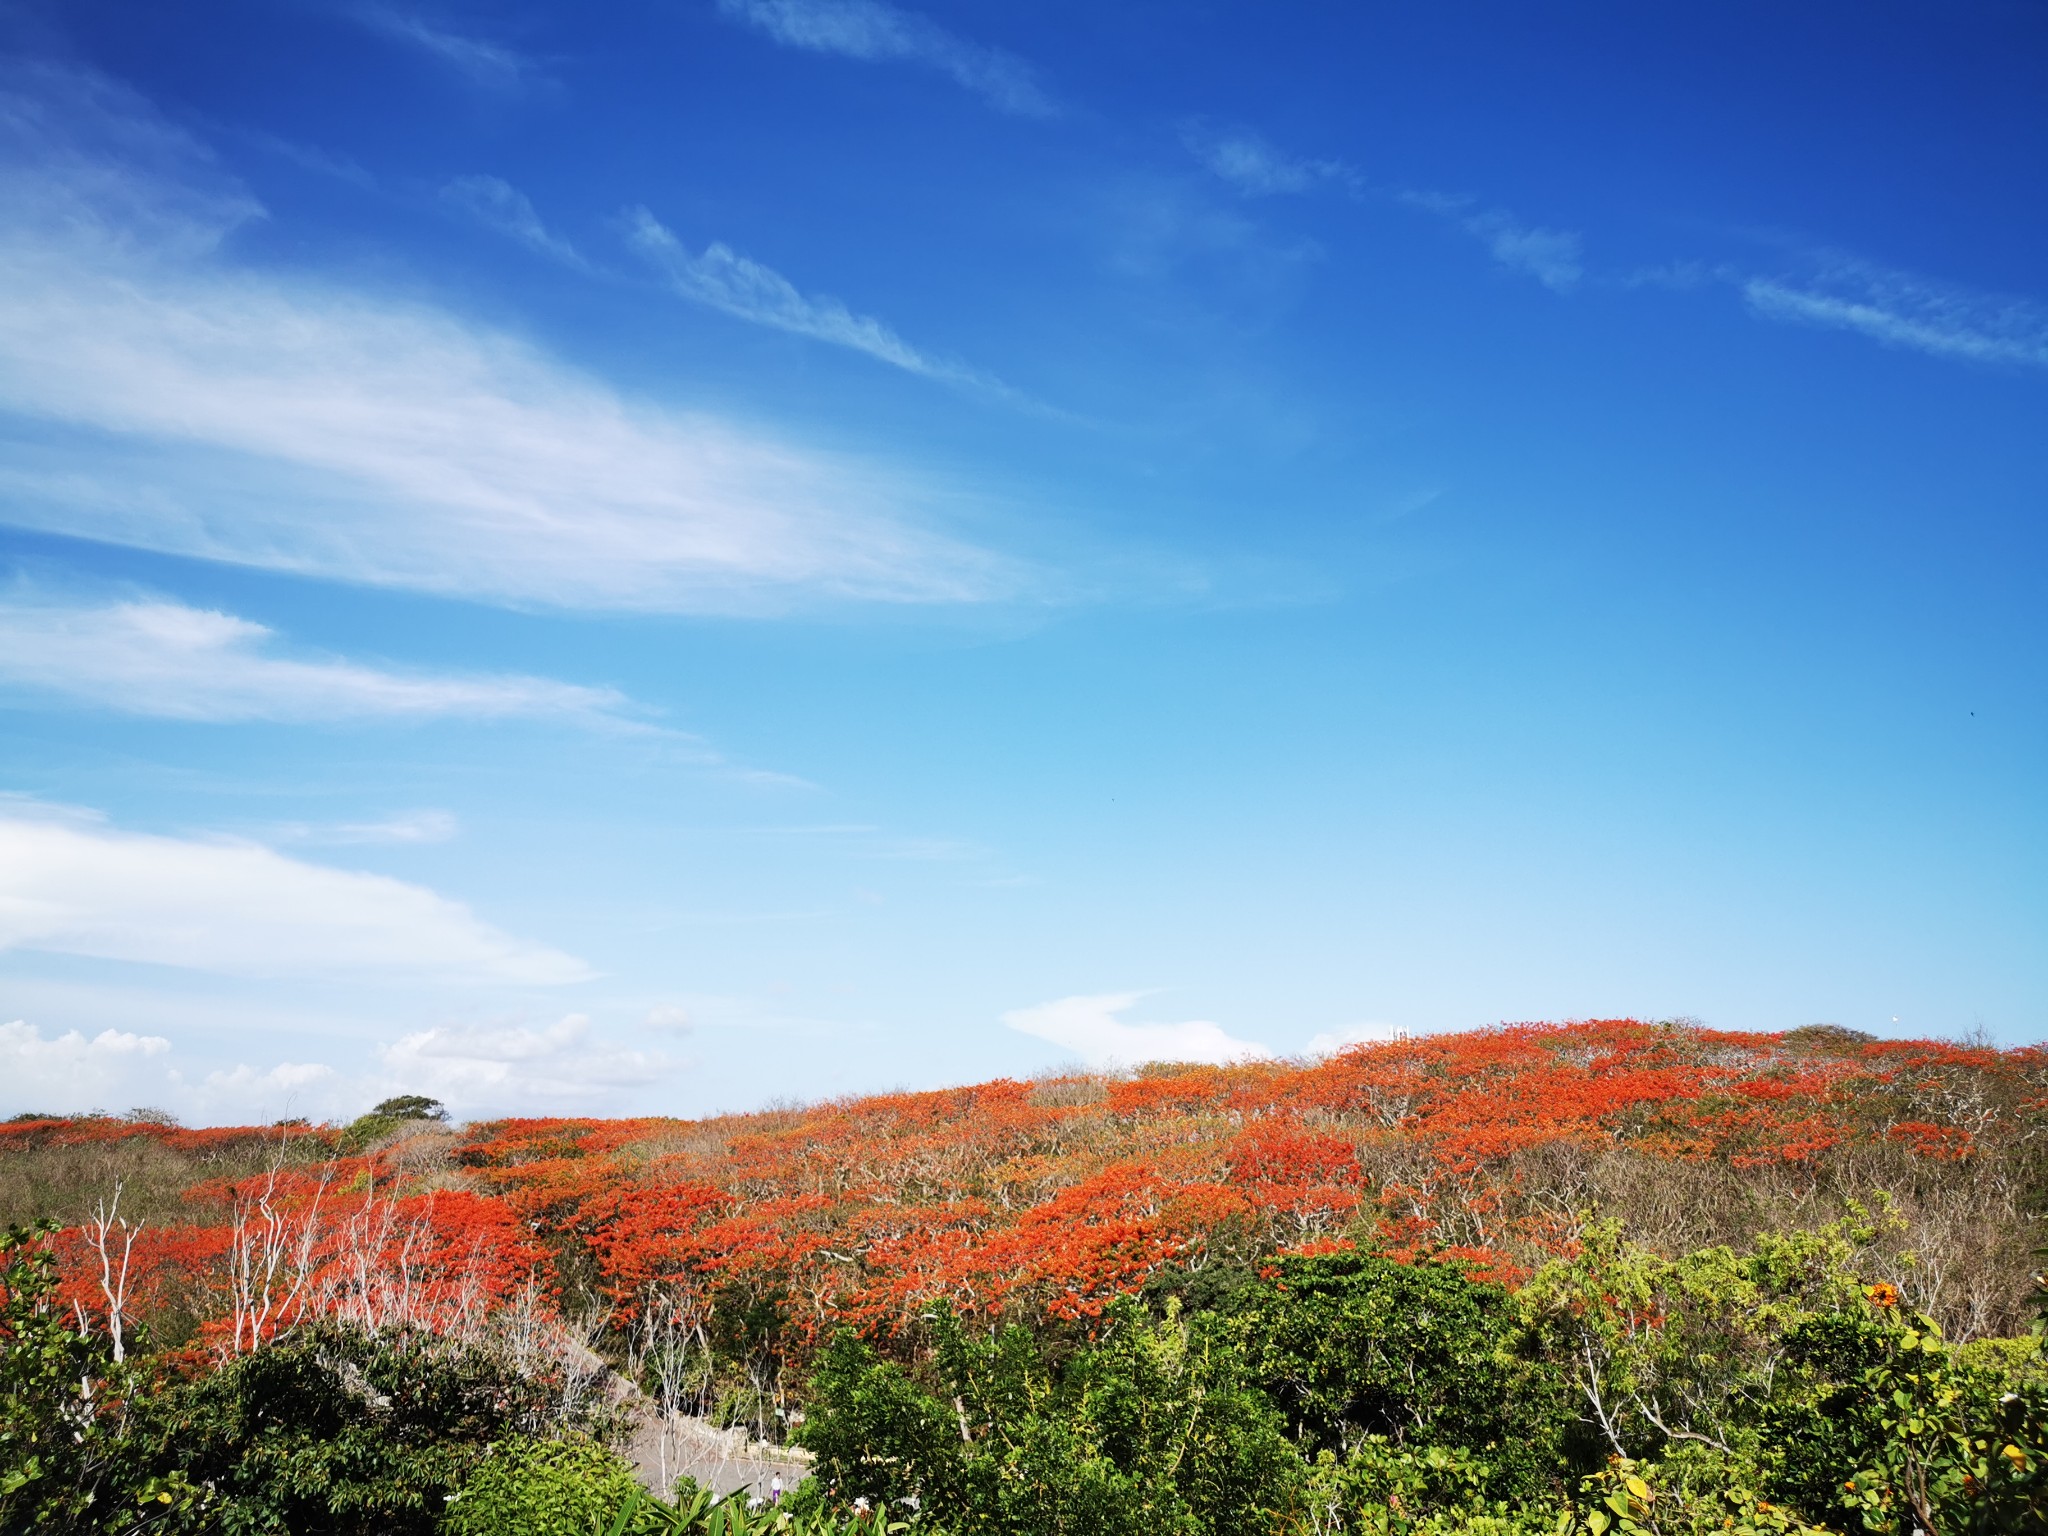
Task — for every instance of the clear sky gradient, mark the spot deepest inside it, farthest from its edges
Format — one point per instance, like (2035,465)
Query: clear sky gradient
(669,555)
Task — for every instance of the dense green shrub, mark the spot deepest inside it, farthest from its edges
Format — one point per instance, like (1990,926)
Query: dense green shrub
(1365,1355)
(1879,1424)
(405,1109)
(69,1461)
(1154,1429)
(336,1432)
(529,1487)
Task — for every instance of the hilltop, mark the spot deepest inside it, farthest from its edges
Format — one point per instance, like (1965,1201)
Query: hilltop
(1523,1280)
(1042,1200)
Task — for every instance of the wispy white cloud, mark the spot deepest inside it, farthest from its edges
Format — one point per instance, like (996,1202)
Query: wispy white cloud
(1257,169)
(1900,309)
(71,884)
(1090,1028)
(498,205)
(1554,257)
(307,157)
(483,62)
(161,658)
(862,840)
(724,280)
(872,31)
(407,828)
(506,1066)
(164,396)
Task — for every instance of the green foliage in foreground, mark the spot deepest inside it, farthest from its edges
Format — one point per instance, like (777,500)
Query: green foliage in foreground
(531,1487)
(1157,1428)
(572,1487)
(1620,1392)
(332,1432)
(68,1456)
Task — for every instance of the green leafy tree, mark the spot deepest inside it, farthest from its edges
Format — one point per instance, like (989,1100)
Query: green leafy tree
(1882,1424)
(1664,1352)
(399,1110)
(1630,1498)
(337,1432)
(528,1487)
(1361,1352)
(880,1439)
(67,1460)
(1156,1428)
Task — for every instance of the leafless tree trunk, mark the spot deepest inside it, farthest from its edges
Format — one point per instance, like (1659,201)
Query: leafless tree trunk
(100,1233)
(272,1260)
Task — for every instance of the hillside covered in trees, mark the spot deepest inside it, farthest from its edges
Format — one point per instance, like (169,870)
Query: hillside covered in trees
(1601,1272)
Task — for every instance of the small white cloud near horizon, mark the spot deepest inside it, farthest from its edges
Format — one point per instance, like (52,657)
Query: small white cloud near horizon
(874,32)
(1088,1026)
(670,1019)
(70,1073)
(117,1070)
(1899,309)
(156,657)
(70,884)
(1331,1041)
(507,1066)
(245,1095)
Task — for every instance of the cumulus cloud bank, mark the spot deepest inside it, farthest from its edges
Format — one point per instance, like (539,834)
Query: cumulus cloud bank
(69,1072)
(1090,1028)
(474,1068)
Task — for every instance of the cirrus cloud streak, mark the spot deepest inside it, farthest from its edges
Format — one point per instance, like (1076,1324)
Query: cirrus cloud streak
(158,393)
(160,658)
(874,32)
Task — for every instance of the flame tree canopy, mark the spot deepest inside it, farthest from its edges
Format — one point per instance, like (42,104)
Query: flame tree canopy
(1044,1200)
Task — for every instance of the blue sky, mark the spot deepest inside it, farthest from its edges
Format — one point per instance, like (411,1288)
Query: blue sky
(678,554)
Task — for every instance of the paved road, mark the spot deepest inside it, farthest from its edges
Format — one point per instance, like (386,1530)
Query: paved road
(723,1460)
